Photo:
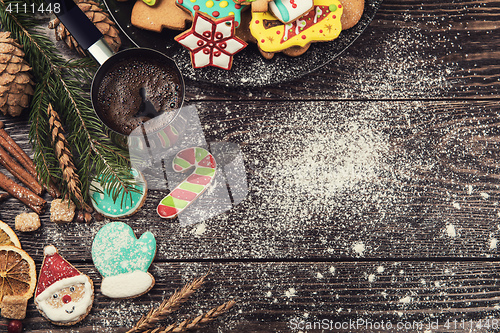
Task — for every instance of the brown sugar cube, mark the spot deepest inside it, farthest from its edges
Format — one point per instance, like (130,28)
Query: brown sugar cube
(14,307)
(62,211)
(27,222)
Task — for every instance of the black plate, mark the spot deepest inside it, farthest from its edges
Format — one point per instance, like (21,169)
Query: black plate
(249,67)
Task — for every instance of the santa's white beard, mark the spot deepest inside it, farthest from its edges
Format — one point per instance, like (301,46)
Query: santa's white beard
(71,311)
(67,313)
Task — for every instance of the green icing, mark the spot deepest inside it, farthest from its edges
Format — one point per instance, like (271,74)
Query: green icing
(332,8)
(181,162)
(174,202)
(116,250)
(191,187)
(205,171)
(200,154)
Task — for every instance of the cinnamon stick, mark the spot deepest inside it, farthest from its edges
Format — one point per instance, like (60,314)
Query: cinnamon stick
(17,171)
(4,196)
(18,153)
(27,197)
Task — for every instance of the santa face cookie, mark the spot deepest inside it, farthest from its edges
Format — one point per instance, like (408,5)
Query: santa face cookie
(63,294)
(123,260)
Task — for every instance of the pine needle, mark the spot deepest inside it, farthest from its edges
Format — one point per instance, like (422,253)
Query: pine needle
(168,306)
(65,84)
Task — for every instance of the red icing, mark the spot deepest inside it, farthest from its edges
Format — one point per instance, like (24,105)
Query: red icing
(188,155)
(321,31)
(180,2)
(334,16)
(262,40)
(215,14)
(54,268)
(256,21)
(166,211)
(207,162)
(340,6)
(197,179)
(183,194)
(237,6)
(66,299)
(196,7)
(278,32)
(177,168)
(309,19)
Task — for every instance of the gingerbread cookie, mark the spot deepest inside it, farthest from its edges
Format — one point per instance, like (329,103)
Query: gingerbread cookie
(123,260)
(125,205)
(353,10)
(164,14)
(322,23)
(193,186)
(212,42)
(214,8)
(63,294)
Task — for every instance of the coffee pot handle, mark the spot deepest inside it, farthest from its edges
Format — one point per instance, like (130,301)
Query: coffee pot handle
(81,28)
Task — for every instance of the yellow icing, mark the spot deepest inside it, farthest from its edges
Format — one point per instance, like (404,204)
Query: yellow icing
(209,4)
(270,40)
(223,4)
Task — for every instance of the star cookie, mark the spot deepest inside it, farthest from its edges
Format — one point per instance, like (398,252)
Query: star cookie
(211,41)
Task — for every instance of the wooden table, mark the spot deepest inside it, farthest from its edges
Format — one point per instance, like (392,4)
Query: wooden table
(373,191)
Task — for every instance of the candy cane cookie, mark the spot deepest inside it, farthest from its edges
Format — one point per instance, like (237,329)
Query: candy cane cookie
(193,186)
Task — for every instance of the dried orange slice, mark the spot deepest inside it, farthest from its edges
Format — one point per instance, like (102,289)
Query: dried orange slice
(17,272)
(8,236)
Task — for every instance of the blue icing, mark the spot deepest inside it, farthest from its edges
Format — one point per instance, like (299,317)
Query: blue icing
(124,205)
(214,8)
(116,250)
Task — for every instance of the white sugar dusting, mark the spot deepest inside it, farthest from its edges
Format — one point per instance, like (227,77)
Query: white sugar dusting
(493,243)
(359,248)
(450,230)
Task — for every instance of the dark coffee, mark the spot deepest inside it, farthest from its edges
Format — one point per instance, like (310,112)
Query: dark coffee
(134,90)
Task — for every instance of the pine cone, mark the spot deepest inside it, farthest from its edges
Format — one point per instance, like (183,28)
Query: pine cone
(16,84)
(101,20)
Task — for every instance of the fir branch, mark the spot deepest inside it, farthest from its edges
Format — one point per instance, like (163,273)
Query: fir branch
(60,81)
(198,322)
(168,306)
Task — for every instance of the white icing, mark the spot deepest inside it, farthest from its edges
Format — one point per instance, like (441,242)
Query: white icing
(318,14)
(77,309)
(49,250)
(300,24)
(222,60)
(233,46)
(287,27)
(202,24)
(301,8)
(126,285)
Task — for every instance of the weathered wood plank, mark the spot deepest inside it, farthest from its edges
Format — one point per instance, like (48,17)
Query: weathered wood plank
(332,180)
(411,50)
(275,297)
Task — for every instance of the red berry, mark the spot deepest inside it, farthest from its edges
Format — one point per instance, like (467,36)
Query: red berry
(15,326)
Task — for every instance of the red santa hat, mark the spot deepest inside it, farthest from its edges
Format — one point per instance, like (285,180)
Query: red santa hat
(56,273)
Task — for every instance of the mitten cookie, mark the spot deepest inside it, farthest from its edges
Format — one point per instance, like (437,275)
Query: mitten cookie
(123,260)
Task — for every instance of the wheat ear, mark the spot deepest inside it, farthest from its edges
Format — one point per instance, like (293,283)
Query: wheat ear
(168,306)
(198,322)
